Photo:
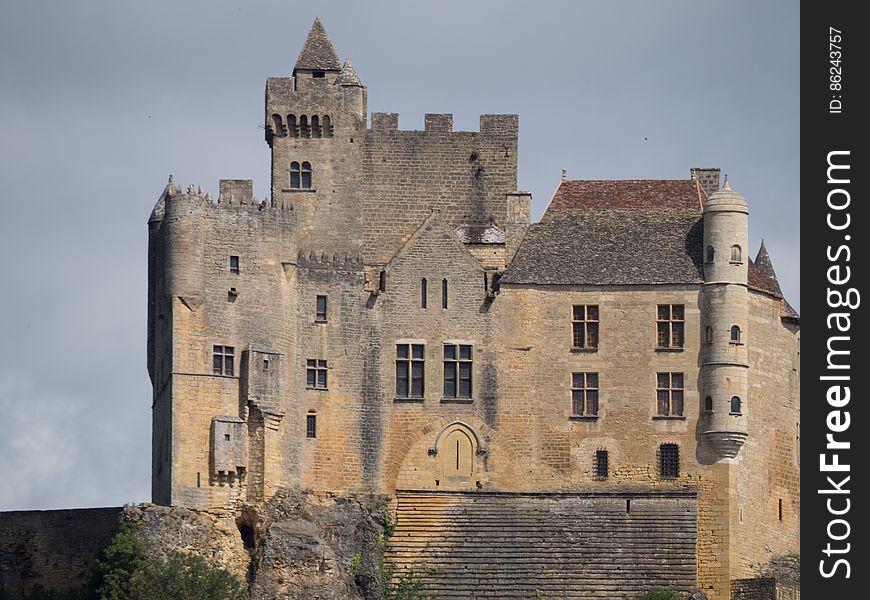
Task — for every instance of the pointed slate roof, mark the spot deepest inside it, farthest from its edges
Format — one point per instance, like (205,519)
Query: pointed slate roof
(318,52)
(348,75)
(765,269)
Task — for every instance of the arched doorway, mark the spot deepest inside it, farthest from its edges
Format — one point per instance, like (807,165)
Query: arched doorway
(457,456)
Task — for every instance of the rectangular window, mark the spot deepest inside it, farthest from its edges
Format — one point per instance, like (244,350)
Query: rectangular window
(584,394)
(311,426)
(584,323)
(601,464)
(315,376)
(457,370)
(320,309)
(234,264)
(669,394)
(670,325)
(410,369)
(223,359)
(669,461)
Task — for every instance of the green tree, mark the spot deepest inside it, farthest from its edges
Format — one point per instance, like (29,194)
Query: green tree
(115,565)
(183,576)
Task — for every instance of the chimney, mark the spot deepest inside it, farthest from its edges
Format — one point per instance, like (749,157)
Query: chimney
(708,178)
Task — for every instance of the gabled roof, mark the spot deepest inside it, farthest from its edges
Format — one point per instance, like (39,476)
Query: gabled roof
(318,52)
(611,247)
(684,194)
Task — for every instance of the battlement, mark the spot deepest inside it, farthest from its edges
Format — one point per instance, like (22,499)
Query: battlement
(490,125)
(313,260)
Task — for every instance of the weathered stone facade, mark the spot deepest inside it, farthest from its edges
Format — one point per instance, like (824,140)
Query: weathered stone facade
(391,320)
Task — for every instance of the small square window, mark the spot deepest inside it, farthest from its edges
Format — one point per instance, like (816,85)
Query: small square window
(226,437)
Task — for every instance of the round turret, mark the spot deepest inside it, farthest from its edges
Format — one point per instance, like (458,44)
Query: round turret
(726,236)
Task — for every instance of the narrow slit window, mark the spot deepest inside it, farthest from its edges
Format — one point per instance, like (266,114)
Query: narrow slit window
(711,254)
(443,293)
(295,172)
(708,404)
(320,309)
(306,176)
(424,292)
(708,335)
(311,426)
(601,464)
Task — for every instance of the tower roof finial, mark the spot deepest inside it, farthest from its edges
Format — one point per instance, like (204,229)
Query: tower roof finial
(318,53)
(725,185)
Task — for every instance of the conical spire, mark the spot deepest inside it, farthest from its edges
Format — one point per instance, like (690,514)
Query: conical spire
(348,75)
(317,54)
(765,269)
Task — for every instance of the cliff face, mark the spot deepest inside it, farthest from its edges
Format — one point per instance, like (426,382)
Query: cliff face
(299,545)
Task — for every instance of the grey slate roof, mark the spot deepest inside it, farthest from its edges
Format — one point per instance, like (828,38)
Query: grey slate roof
(764,267)
(633,246)
(348,75)
(318,52)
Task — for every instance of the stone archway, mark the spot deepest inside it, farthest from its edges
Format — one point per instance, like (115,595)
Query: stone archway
(456,449)
(448,455)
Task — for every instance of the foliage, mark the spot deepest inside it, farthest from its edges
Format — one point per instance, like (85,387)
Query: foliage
(184,577)
(125,571)
(404,587)
(660,595)
(354,564)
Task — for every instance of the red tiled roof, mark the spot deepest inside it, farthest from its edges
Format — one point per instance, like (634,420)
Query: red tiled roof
(627,194)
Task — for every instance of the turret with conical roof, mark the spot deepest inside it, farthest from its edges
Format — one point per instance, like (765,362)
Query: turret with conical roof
(316,127)
(724,376)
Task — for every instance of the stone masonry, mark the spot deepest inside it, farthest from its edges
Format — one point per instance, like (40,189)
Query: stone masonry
(390,322)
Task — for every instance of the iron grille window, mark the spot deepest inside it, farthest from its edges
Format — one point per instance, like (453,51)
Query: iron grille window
(584,394)
(601,464)
(410,369)
(223,359)
(669,394)
(316,374)
(234,264)
(670,325)
(457,370)
(320,309)
(584,325)
(311,426)
(669,461)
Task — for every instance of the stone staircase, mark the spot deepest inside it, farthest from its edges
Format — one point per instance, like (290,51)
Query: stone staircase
(503,545)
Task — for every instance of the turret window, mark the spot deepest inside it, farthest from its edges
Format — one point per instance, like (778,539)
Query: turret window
(735,334)
(736,255)
(300,175)
(735,405)
(708,404)
(708,335)
(711,254)
(670,325)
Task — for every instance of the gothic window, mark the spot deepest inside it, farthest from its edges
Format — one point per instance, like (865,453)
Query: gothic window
(457,370)
(708,404)
(584,394)
(443,293)
(669,461)
(327,126)
(736,255)
(670,325)
(311,426)
(735,405)
(669,394)
(735,334)
(320,309)
(292,128)
(222,360)
(306,176)
(708,335)
(711,254)
(295,172)
(315,376)
(278,125)
(423,292)
(315,127)
(601,464)
(234,264)
(304,129)
(410,370)
(584,326)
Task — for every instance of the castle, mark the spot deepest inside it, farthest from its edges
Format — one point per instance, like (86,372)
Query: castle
(391,321)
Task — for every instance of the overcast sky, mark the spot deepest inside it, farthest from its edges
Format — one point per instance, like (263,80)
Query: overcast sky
(100,100)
